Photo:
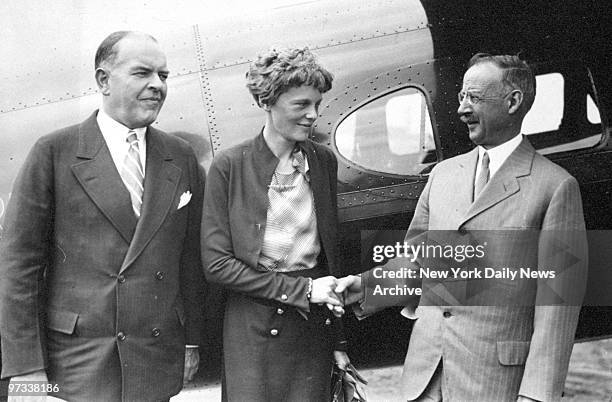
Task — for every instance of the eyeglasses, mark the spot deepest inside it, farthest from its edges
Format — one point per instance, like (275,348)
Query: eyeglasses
(475,99)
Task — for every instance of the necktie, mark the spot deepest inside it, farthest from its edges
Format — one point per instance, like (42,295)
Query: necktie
(483,177)
(299,162)
(132,172)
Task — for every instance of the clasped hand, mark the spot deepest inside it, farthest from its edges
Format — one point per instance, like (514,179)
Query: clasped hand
(336,293)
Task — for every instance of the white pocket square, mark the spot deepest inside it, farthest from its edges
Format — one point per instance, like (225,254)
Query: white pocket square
(185,198)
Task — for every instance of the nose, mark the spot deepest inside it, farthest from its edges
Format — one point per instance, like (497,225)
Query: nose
(464,107)
(312,112)
(156,82)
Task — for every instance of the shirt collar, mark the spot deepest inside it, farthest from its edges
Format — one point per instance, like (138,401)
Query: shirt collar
(115,131)
(499,154)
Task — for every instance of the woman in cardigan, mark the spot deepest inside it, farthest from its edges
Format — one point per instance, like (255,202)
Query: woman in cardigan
(269,237)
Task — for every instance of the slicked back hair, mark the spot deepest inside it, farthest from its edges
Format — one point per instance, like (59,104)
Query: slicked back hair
(107,51)
(277,71)
(516,74)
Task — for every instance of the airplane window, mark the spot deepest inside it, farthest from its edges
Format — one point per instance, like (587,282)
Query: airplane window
(547,110)
(392,134)
(558,122)
(592,111)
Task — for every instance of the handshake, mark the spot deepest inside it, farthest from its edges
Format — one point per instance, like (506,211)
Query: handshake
(336,293)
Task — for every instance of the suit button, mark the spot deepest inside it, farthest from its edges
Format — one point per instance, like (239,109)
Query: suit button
(328,322)
(121,278)
(284,297)
(274,332)
(447,314)
(280,311)
(155,332)
(121,336)
(159,275)
(462,231)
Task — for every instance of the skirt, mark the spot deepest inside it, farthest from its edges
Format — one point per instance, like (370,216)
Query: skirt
(272,353)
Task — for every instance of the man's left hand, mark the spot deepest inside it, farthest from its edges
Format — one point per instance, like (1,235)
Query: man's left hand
(192,360)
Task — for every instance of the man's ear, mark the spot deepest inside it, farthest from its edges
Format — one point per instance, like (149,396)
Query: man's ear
(515,101)
(102,78)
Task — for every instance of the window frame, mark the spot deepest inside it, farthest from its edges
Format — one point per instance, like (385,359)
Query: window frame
(575,73)
(428,101)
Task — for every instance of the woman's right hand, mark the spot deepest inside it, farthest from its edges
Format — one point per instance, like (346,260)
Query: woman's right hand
(323,291)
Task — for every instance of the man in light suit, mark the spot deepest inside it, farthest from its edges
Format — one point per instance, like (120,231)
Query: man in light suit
(101,279)
(515,345)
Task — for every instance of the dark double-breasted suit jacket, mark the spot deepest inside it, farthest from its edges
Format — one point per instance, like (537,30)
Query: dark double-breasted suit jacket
(519,340)
(104,301)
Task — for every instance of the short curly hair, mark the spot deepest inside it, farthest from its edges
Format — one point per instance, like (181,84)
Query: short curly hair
(276,71)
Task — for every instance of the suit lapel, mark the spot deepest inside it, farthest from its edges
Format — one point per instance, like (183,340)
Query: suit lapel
(463,192)
(98,175)
(319,184)
(505,182)
(317,178)
(160,187)
(265,163)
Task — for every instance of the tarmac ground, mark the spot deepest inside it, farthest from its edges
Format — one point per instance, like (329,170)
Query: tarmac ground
(589,378)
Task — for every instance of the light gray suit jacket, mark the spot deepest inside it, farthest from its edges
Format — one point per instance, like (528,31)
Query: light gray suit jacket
(496,352)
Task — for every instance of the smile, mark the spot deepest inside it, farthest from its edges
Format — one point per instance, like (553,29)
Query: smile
(151,102)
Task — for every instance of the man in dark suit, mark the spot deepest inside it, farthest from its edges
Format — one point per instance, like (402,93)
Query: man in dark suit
(101,279)
(512,339)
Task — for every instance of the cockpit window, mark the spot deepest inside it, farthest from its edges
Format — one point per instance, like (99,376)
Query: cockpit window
(592,111)
(564,115)
(547,110)
(391,134)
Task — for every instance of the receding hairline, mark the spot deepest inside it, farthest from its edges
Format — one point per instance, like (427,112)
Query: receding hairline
(107,52)
(487,64)
(135,34)
(516,74)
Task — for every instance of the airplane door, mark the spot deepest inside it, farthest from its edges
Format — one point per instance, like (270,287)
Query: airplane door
(568,123)
(384,131)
